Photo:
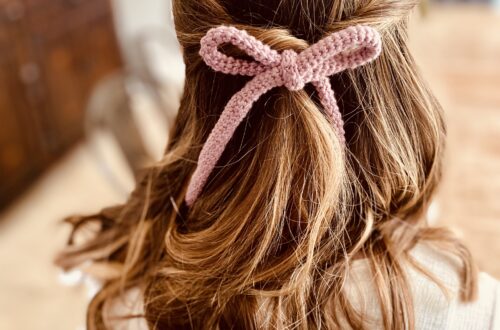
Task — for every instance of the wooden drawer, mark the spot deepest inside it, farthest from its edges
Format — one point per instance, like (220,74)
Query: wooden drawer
(12,153)
(72,66)
(11,14)
(53,52)
(17,159)
(11,11)
(56,17)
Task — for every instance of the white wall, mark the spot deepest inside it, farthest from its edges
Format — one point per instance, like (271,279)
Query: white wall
(134,18)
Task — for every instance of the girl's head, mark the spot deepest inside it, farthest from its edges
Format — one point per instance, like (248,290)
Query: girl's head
(393,125)
(269,241)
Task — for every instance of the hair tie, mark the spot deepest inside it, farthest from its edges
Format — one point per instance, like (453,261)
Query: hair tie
(346,49)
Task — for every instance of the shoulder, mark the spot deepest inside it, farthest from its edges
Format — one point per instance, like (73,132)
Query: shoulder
(433,304)
(483,313)
(436,294)
(127,312)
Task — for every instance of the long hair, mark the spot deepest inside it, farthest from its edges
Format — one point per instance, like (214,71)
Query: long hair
(269,242)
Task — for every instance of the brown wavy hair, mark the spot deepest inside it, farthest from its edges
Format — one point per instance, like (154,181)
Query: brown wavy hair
(269,243)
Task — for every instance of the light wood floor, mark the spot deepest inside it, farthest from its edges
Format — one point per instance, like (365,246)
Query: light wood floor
(459,52)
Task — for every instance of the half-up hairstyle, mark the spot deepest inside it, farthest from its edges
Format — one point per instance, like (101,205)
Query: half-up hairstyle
(269,242)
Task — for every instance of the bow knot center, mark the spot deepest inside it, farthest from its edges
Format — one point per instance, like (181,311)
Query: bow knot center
(292,78)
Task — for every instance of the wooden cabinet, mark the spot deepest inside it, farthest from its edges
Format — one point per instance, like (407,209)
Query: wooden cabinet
(52,53)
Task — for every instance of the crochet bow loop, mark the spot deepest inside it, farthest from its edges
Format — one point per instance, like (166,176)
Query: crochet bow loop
(342,50)
(346,49)
(264,56)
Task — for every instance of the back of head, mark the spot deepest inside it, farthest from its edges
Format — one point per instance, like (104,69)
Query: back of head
(269,241)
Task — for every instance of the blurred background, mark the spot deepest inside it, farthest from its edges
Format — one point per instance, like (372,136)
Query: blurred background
(88,89)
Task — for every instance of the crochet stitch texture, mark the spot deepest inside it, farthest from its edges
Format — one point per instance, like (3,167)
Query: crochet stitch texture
(346,49)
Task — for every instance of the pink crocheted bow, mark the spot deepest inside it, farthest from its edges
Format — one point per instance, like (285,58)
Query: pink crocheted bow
(346,49)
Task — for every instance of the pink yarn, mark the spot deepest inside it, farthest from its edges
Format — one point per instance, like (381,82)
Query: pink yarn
(346,49)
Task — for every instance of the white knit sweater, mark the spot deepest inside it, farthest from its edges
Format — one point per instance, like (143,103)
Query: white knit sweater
(433,308)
